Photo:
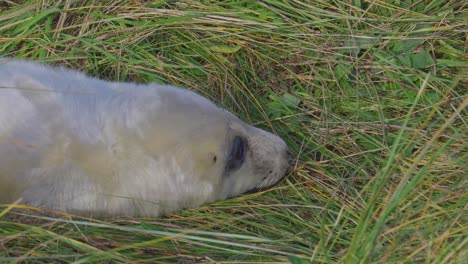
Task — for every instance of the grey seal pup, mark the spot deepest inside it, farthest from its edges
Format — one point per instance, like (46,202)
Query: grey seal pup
(97,148)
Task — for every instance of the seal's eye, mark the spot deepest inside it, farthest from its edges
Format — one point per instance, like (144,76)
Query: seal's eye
(237,154)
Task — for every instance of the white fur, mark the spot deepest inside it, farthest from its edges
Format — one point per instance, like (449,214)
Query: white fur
(74,143)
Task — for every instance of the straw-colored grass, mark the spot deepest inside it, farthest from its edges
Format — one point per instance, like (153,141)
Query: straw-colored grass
(369,95)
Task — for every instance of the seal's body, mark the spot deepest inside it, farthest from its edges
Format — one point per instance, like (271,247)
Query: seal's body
(96,148)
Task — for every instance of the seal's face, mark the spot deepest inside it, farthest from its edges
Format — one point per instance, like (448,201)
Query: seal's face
(219,155)
(256,159)
(237,157)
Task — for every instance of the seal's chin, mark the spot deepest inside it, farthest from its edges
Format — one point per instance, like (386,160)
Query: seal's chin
(259,188)
(254,190)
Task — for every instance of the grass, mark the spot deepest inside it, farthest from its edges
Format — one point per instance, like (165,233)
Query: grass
(369,95)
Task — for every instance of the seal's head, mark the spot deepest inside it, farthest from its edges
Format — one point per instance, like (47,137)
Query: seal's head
(215,154)
(255,160)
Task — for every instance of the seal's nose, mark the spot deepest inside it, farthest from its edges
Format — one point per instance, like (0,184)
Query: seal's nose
(287,162)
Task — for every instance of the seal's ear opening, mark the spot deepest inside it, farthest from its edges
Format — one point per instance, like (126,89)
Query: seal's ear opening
(237,154)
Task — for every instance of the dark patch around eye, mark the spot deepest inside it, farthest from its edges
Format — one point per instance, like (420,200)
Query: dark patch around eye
(236,155)
(215,159)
